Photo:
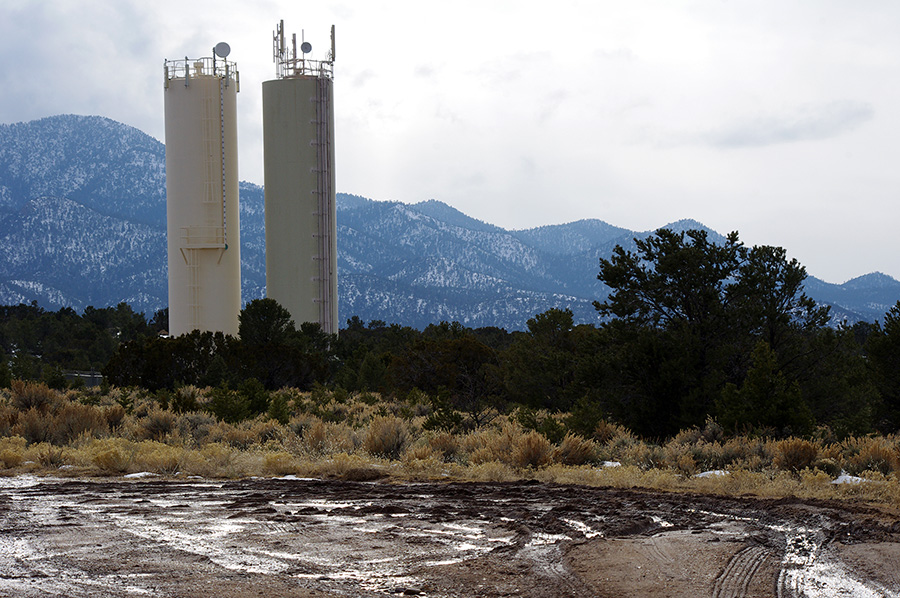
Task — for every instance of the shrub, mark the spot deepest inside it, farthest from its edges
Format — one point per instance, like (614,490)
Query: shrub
(387,436)
(32,395)
(532,450)
(238,436)
(794,454)
(829,466)
(156,425)
(195,425)
(228,405)
(575,450)
(255,396)
(642,455)
(34,426)
(605,432)
(871,454)
(501,445)
(115,415)
(279,463)
(265,431)
(11,450)
(185,398)
(492,471)
(712,431)
(112,454)
(444,443)
(678,455)
(75,419)
(8,418)
(158,458)
(218,459)
(540,421)
(315,436)
(48,455)
(350,467)
(687,437)
(279,409)
(421,452)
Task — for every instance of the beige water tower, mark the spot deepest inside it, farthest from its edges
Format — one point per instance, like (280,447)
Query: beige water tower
(298,142)
(204,246)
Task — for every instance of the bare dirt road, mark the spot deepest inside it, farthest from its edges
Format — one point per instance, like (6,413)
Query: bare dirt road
(305,538)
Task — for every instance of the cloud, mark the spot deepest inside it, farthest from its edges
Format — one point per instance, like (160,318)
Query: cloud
(424,71)
(360,78)
(809,122)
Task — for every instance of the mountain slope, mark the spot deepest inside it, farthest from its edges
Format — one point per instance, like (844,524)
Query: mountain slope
(82,222)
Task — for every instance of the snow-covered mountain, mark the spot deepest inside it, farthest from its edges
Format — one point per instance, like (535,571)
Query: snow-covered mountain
(82,222)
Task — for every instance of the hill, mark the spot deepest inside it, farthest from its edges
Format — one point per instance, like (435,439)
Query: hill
(82,222)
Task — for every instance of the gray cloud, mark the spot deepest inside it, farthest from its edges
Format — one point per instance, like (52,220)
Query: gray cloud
(809,122)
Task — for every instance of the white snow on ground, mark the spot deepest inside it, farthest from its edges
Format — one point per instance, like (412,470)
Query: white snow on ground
(846,478)
(808,573)
(712,474)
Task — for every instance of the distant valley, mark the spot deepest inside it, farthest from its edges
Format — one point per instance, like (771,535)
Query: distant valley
(82,222)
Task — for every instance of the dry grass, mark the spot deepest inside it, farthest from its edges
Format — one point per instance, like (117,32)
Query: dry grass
(127,431)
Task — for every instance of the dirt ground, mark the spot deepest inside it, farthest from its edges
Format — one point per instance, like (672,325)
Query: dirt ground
(319,538)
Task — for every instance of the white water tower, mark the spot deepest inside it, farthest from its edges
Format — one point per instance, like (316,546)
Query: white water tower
(204,244)
(298,141)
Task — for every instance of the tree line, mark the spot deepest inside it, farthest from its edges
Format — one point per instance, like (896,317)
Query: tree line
(691,330)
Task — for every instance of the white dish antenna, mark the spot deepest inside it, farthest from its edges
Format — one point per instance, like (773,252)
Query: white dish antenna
(222,50)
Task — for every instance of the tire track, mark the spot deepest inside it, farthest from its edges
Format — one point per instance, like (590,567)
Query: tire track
(656,551)
(735,578)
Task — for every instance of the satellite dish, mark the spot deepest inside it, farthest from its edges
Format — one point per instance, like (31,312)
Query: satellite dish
(222,50)
(306,47)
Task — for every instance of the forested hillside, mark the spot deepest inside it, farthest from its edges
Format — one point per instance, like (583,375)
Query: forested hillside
(82,223)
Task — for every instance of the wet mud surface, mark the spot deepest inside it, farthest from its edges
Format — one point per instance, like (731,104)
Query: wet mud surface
(305,538)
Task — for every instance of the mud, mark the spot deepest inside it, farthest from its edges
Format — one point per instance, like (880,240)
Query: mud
(305,538)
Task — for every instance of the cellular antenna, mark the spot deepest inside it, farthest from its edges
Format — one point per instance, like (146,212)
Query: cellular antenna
(293,61)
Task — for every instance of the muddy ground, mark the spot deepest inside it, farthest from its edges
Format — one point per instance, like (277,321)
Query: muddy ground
(305,538)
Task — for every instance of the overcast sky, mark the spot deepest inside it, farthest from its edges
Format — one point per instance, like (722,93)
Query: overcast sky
(776,118)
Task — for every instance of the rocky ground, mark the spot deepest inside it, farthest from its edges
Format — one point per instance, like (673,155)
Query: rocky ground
(306,538)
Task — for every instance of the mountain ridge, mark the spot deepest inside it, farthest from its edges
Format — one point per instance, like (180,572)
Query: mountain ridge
(82,222)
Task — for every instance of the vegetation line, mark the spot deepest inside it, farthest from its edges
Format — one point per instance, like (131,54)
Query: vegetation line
(709,356)
(93,432)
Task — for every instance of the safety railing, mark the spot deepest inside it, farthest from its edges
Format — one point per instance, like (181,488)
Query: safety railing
(188,68)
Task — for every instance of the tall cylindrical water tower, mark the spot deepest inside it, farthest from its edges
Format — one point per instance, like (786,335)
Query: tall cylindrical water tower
(202,194)
(298,142)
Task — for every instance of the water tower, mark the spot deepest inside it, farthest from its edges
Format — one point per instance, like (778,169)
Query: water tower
(203,226)
(298,144)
